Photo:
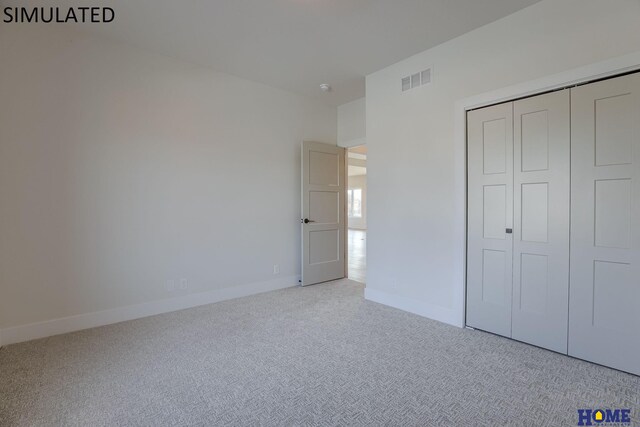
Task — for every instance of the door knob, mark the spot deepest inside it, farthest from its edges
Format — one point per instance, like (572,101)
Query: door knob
(307,221)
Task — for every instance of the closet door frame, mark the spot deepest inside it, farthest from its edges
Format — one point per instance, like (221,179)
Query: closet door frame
(604,70)
(609,68)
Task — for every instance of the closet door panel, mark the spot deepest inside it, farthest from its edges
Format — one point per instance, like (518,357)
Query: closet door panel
(604,324)
(490,213)
(541,215)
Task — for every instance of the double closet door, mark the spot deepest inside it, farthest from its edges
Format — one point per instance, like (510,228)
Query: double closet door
(518,244)
(553,248)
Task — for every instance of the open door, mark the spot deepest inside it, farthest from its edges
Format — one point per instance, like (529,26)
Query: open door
(323,213)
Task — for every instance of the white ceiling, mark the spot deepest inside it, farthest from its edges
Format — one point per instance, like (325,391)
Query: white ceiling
(295,44)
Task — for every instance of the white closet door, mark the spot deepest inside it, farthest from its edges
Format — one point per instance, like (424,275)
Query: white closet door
(490,213)
(541,220)
(604,318)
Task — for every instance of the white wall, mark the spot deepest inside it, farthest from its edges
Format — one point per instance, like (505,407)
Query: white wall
(415,241)
(359,181)
(121,170)
(351,123)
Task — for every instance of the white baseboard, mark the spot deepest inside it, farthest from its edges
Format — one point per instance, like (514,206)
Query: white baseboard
(16,334)
(435,312)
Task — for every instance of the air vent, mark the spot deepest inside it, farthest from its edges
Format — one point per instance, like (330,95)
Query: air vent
(415,80)
(426,76)
(406,83)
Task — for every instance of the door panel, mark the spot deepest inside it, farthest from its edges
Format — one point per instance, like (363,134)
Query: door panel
(541,216)
(534,284)
(535,212)
(324,168)
(494,146)
(323,195)
(534,140)
(494,211)
(490,203)
(323,246)
(325,206)
(613,127)
(494,280)
(613,213)
(604,325)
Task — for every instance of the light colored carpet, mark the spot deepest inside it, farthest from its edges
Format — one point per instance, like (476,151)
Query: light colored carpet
(320,355)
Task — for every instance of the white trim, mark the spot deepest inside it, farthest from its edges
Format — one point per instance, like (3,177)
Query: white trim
(64,325)
(435,312)
(608,68)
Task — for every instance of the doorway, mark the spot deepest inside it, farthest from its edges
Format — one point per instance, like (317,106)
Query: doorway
(357,213)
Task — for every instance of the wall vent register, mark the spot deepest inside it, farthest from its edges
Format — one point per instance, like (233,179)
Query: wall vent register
(413,81)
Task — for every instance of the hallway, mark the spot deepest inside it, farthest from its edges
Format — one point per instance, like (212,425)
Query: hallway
(357,249)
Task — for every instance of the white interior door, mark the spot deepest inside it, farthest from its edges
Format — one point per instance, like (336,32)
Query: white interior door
(323,213)
(604,323)
(490,218)
(541,220)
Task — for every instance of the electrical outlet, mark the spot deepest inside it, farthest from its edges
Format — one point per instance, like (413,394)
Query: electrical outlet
(276,269)
(184,284)
(171,285)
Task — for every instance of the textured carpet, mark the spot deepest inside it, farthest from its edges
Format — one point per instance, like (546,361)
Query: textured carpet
(320,355)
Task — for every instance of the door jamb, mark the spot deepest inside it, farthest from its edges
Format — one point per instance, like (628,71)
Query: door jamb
(345,214)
